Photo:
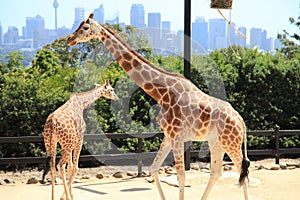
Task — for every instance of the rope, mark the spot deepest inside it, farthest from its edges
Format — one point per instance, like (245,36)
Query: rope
(229,23)
(228,33)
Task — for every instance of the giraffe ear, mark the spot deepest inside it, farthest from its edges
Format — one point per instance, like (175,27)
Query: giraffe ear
(96,84)
(91,16)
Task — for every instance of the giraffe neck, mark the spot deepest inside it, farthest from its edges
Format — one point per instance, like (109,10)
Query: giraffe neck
(153,80)
(85,99)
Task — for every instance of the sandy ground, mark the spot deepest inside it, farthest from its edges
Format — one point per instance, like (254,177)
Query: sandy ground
(264,184)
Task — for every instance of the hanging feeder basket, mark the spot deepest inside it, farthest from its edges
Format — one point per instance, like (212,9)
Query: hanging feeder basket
(221,4)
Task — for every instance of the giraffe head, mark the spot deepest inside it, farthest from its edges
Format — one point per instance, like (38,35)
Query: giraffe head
(106,90)
(86,31)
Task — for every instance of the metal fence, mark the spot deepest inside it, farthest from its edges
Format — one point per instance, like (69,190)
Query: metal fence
(275,152)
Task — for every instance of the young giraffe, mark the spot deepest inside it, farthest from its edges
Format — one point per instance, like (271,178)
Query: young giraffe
(186,114)
(66,126)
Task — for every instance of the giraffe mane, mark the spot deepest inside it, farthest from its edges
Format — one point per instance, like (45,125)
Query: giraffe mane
(139,55)
(79,27)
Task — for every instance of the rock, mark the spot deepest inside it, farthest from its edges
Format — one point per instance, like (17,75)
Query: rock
(161,170)
(58,181)
(275,167)
(291,164)
(170,171)
(195,167)
(205,170)
(149,179)
(283,166)
(259,167)
(292,167)
(85,177)
(131,174)
(100,175)
(76,180)
(227,168)
(205,167)
(7,181)
(32,180)
(145,173)
(118,175)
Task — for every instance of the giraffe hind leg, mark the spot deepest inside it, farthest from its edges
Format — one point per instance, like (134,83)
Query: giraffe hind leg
(72,171)
(244,175)
(242,164)
(216,162)
(62,166)
(52,167)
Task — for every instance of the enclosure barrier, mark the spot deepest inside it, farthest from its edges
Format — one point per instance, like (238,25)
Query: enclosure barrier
(141,156)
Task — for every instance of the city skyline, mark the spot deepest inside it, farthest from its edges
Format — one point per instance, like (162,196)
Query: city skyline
(273,20)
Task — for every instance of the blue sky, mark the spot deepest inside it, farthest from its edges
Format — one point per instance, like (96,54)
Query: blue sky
(270,15)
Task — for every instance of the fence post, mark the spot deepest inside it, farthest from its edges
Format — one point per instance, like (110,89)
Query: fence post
(277,152)
(139,151)
(187,155)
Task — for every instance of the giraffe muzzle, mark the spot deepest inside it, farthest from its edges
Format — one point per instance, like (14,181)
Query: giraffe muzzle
(71,41)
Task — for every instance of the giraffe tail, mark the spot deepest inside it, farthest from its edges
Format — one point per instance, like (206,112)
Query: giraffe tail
(46,169)
(49,132)
(245,163)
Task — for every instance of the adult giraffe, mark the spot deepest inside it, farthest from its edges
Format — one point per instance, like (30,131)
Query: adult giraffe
(66,126)
(186,114)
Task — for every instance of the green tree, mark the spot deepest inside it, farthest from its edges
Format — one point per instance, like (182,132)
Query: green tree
(290,41)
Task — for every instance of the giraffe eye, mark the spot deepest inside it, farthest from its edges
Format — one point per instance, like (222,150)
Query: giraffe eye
(86,27)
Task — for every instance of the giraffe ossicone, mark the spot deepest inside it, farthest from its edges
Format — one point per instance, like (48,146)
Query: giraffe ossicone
(186,113)
(66,126)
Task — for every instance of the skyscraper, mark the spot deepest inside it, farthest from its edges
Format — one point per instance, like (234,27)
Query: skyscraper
(255,37)
(154,20)
(263,41)
(241,41)
(114,19)
(166,26)
(32,25)
(217,37)
(137,16)
(200,35)
(154,29)
(166,36)
(11,36)
(55,6)
(231,35)
(99,14)
(79,17)
(1,34)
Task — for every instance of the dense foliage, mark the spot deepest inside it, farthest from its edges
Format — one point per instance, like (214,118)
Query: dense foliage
(264,88)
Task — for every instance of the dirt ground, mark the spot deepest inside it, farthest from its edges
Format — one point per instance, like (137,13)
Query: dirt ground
(265,184)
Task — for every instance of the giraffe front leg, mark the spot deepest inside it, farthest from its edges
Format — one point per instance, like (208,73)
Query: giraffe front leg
(178,151)
(162,153)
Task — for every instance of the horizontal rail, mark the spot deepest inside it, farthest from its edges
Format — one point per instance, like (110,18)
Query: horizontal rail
(143,155)
(87,137)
